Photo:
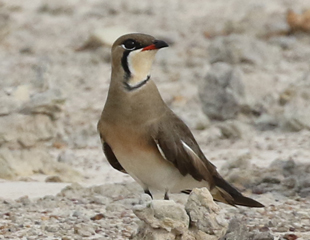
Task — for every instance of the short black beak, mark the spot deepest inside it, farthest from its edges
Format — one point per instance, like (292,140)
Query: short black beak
(157,44)
(160,44)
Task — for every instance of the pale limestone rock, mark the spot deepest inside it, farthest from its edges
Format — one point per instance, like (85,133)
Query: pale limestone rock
(6,170)
(8,105)
(49,102)
(166,220)
(222,92)
(151,234)
(84,230)
(22,93)
(297,114)
(27,162)
(239,171)
(164,214)
(235,129)
(26,129)
(205,215)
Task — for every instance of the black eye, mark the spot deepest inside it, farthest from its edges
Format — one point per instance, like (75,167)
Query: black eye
(129,44)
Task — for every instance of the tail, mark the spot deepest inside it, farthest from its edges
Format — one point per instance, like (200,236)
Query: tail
(224,192)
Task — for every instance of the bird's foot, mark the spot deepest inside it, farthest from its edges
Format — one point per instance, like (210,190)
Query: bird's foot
(166,196)
(148,193)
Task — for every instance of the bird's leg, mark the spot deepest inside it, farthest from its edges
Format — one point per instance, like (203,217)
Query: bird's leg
(166,196)
(146,191)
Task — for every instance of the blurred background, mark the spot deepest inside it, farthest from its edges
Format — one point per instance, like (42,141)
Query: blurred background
(237,72)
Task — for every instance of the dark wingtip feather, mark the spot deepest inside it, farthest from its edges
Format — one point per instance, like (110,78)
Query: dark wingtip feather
(247,202)
(233,201)
(238,198)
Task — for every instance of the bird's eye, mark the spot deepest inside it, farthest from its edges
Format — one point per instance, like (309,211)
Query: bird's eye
(129,44)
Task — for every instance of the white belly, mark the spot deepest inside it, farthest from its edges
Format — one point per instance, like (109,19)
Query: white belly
(153,172)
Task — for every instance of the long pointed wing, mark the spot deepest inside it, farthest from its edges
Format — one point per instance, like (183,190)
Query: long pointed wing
(177,145)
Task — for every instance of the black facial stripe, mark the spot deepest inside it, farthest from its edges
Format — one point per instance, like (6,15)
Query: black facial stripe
(130,88)
(125,61)
(125,64)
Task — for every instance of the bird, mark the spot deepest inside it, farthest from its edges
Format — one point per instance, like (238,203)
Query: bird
(141,136)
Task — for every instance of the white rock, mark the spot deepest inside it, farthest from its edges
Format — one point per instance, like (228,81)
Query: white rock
(22,93)
(205,215)
(164,214)
(164,219)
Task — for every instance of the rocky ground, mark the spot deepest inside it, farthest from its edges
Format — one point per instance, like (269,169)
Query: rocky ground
(237,73)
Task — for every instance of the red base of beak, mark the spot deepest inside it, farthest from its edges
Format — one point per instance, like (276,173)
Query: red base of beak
(157,44)
(150,47)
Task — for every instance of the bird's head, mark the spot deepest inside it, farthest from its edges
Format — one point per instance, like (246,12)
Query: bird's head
(132,57)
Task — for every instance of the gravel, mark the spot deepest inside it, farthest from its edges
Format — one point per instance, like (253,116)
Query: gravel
(106,212)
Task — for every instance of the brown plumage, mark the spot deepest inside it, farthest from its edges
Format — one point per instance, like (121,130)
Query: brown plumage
(141,136)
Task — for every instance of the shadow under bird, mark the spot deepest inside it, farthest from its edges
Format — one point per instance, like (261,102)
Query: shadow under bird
(141,135)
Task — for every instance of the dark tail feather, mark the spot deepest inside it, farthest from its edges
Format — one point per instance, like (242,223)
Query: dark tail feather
(237,198)
(224,192)
(247,202)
